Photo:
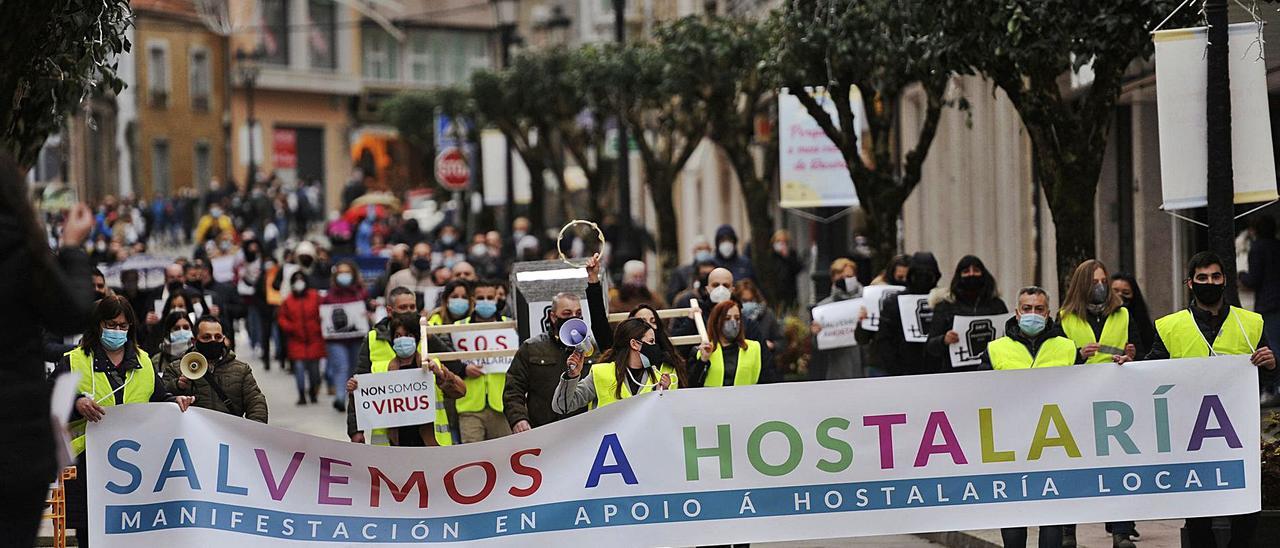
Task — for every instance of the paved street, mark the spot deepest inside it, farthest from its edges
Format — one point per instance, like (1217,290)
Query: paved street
(320,419)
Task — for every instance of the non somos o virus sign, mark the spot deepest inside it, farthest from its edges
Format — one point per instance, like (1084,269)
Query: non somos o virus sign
(860,457)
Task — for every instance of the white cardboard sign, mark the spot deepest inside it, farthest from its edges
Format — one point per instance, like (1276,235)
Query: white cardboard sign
(916,314)
(838,320)
(405,397)
(874,298)
(975,333)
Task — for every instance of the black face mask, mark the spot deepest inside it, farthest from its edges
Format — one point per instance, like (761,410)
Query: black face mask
(306,261)
(920,282)
(211,350)
(654,353)
(250,255)
(98,295)
(174,287)
(971,283)
(422,264)
(1209,294)
(197,285)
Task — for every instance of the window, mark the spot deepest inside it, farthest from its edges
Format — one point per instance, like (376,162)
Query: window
(321,32)
(160,167)
(158,74)
(467,53)
(422,58)
(274,31)
(380,53)
(203,165)
(200,80)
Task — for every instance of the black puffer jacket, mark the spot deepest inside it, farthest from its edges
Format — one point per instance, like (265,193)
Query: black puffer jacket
(39,294)
(944,313)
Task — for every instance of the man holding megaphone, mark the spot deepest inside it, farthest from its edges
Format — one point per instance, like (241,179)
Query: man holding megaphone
(212,374)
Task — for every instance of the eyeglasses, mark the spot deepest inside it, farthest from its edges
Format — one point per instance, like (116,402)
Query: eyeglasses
(122,326)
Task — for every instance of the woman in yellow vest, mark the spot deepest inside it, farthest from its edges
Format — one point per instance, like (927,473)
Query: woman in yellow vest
(403,353)
(480,415)
(1094,317)
(635,365)
(113,371)
(729,358)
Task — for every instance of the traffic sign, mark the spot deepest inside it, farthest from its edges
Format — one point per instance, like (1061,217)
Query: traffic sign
(452,170)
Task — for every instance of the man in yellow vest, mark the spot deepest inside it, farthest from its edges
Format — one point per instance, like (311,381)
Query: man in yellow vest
(1186,334)
(1031,338)
(480,415)
(374,355)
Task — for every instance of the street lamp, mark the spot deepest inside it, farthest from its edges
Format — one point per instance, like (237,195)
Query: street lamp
(507,13)
(247,66)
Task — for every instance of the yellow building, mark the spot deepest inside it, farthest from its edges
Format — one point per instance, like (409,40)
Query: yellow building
(179,140)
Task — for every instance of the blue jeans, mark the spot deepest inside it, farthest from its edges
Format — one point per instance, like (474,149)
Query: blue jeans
(253,324)
(302,369)
(342,358)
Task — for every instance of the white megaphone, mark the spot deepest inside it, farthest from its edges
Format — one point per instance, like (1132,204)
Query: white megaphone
(194,365)
(576,334)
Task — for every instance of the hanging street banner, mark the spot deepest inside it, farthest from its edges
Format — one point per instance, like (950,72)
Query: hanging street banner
(1148,440)
(975,333)
(1181,101)
(812,168)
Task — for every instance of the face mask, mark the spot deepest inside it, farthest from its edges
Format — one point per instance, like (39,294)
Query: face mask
(479,250)
(502,304)
(421,264)
(780,247)
(752,309)
(486,309)
(299,286)
(651,355)
(721,294)
(306,261)
(730,329)
(114,339)
(1031,324)
(1209,294)
(1098,294)
(100,246)
(404,346)
(517,235)
(99,295)
(181,336)
(970,283)
(215,213)
(726,249)
(224,245)
(458,306)
(702,256)
(174,287)
(345,278)
(250,255)
(447,239)
(211,350)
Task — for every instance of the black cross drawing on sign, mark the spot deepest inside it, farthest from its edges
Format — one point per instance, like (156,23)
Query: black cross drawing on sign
(924,315)
(978,336)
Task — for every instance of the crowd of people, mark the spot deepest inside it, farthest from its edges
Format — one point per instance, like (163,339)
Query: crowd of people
(307,300)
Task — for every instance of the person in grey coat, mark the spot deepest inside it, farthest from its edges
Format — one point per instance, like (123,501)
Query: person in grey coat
(837,363)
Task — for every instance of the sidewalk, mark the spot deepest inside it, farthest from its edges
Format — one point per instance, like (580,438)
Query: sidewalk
(1155,534)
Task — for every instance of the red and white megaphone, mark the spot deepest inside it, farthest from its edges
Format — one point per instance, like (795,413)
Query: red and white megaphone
(576,334)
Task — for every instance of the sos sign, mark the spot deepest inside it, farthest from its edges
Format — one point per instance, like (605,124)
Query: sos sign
(488,339)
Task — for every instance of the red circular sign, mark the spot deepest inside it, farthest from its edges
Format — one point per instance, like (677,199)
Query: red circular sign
(452,170)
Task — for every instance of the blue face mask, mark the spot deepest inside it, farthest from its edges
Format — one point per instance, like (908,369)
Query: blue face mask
(459,307)
(180,336)
(703,256)
(345,279)
(486,309)
(114,339)
(751,309)
(1031,324)
(404,346)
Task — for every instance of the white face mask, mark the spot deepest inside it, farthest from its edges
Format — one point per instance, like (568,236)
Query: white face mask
(726,249)
(721,294)
(299,286)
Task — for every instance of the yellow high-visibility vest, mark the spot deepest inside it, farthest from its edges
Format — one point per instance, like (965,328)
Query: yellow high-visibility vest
(602,375)
(380,356)
(1115,333)
(1007,353)
(1241,331)
(483,390)
(139,386)
(748,371)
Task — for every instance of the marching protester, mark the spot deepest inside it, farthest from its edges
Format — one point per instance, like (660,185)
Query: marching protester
(1126,286)
(895,272)
(377,346)
(787,268)
(729,358)
(972,293)
(1031,340)
(602,330)
(227,386)
(759,324)
(44,293)
(1094,316)
(174,338)
(713,288)
(837,363)
(635,365)
(340,348)
(534,375)
(634,290)
(1234,331)
(480,415)
(405,348)
(113,371)
(894,352)
(681,278)
(727,256)
(299,320)
(417,275)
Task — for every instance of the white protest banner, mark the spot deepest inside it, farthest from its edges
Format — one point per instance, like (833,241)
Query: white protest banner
(874,297)
(395,398)
(1184,156)
(916,314)
(344,320)
(812,168)
(838,320)
(488,339)
(990,449)
(975,332)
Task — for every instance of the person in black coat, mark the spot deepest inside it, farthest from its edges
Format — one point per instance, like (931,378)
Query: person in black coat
(972,293)
(43,293)
(893,352)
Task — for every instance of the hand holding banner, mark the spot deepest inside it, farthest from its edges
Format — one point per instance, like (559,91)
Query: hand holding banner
(838,320)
